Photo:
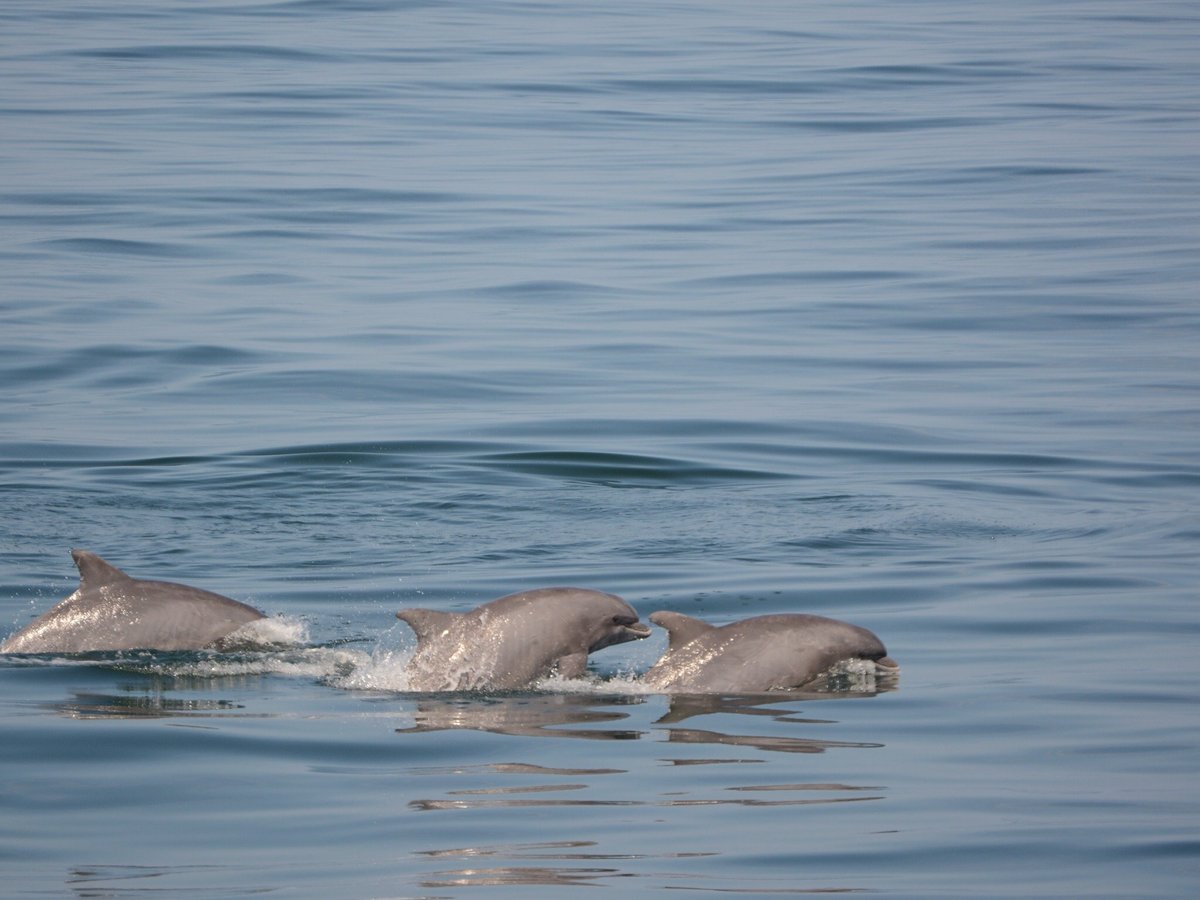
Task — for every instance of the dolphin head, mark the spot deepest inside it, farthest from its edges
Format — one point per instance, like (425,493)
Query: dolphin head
(619,628)
(586,618)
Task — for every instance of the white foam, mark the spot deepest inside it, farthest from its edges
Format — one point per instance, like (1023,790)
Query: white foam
(854,676)
(382,670)
(319,663)
(385,670)
(275,631)
(623,684)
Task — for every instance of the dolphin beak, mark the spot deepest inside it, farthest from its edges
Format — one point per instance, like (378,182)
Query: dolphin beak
(629,629)
(638,630)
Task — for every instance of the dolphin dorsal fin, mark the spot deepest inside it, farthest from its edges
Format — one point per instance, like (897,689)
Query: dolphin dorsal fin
(680,628)
(94,572)
(427,623)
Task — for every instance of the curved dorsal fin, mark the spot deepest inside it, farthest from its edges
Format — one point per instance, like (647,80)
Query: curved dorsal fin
(427,623)
(680,628)
(93,571)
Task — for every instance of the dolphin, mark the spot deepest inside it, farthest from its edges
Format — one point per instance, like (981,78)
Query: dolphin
(512,642)
(760,654)
(112,611)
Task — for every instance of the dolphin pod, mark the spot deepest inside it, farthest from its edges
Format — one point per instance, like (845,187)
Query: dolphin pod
(506,644)
(112,611)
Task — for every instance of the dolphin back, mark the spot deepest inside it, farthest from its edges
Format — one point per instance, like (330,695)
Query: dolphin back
(512,642)
(112,611)
(763,653)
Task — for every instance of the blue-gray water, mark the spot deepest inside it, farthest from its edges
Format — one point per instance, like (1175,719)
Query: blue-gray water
(881,311)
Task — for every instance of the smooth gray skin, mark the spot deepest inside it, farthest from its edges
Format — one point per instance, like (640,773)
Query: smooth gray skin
(111,611)
(512,642)
(764,653)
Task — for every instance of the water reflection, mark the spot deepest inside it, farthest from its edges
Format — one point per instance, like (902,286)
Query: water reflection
(111,881)
(142,701)
(564,851)
(684,706)
(525,715)
(518,875)
(576,715)
(777,743)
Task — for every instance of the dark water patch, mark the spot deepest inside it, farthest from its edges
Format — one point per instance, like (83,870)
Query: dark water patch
(620,469)
(549,290)
(124,365)
(1159,480)
(260,279)
(23,454)
(374,453)
(158,462)
(285,234)
(676,431)
(861,540)
(214,51)
(260,197)
(1169,848)
(364,386)
(553,88)
(321,8)
(1007,175)
(1057,584)
(309,94)
(712,86)
(904,75)
(877,124)
(1014,462)
(788,278)
(981,486)
(118,247)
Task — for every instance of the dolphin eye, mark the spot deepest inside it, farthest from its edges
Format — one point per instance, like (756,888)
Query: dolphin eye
(624,620)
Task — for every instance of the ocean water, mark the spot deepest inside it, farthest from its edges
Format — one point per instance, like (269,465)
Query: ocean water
(886,312)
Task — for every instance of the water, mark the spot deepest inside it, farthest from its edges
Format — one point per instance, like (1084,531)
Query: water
(885,312)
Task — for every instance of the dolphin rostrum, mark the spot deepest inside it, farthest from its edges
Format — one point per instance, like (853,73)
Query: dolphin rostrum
(763,653)
(111,611)
(512,642)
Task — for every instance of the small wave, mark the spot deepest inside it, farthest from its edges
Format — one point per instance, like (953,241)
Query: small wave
(125,247)
(617,469)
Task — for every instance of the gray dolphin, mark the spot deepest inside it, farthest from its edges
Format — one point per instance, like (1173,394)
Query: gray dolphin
(111,611)
(764,653)
(512,642)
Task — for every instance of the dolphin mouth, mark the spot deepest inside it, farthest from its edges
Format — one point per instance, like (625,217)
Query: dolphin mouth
(887,664)
(631,628)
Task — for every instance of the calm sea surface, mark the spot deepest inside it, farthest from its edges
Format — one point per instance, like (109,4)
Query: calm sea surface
(880,311)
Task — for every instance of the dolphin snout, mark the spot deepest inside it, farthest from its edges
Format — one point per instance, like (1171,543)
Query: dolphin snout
(630,624)
(638,630)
